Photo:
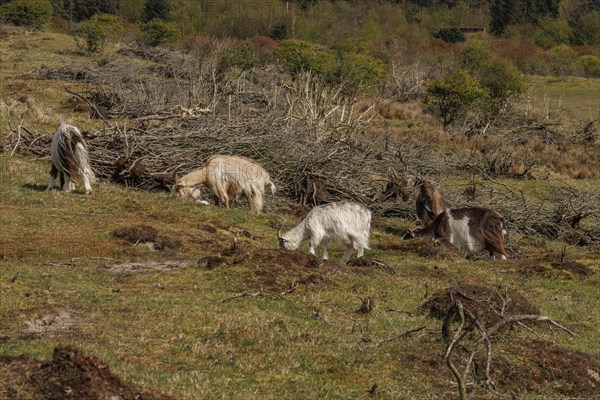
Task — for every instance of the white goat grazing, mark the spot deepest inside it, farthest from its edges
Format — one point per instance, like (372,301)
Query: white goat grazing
(344,223)
(70,158)
(228,176)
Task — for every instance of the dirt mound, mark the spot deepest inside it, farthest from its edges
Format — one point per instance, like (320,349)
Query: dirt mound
(147,235)
(69,375)
(535,365)
(519,367)
(486,304)
(285,271)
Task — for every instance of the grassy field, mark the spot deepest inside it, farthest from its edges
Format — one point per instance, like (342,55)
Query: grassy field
(297,332)
(203,318)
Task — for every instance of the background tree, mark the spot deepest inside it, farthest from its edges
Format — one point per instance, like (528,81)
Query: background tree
(29,13)
(501,15)
(156,9)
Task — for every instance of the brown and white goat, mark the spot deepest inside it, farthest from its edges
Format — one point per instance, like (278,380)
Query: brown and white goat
(429,203)
(228,176)
(70,158)
(469,229)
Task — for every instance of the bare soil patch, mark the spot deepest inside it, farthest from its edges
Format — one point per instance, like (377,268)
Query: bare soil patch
(149,236)
(69,375)
(52,321)
(146,266)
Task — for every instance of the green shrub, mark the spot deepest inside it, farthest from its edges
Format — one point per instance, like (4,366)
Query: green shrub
(358,72)
(242,57)
(450,35)
(552,32)
(297,56)
(28,13)
(345,65)
(587,29)
(450,95)
(499,78)
(157,32)
(91,35)
(591,66)
(562,61)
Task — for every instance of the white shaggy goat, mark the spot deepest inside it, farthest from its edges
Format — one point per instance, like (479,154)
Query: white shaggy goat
(228,176)
(429,203)
(344,223)
(469,229)
(70,158)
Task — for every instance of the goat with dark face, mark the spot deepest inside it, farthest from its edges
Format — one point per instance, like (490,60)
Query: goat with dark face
(429,203)
(469,229)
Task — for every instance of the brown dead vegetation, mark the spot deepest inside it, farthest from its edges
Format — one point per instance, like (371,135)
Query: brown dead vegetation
(69,375)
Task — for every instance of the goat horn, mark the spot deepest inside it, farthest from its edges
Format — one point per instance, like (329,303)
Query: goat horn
(279,232)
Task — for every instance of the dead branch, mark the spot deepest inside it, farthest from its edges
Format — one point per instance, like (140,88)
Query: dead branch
(253,293)
(458,335)
(404,334)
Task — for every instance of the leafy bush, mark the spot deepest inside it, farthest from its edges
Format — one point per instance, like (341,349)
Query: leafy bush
(91,35)
(157,32)
(242,57)
(587,29)
(29,13)
(450,35)
(358,71)
(298,55)
(562,61)
(344,65)
(552,32)
(451,94)
(591,66)
(499,78)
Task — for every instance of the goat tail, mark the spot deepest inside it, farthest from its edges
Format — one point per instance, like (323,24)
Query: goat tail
(273,188)
(364,239)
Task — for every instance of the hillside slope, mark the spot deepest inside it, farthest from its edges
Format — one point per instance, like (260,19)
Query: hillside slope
(200,302)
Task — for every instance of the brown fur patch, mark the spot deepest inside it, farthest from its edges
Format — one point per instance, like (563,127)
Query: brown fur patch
(429,203)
